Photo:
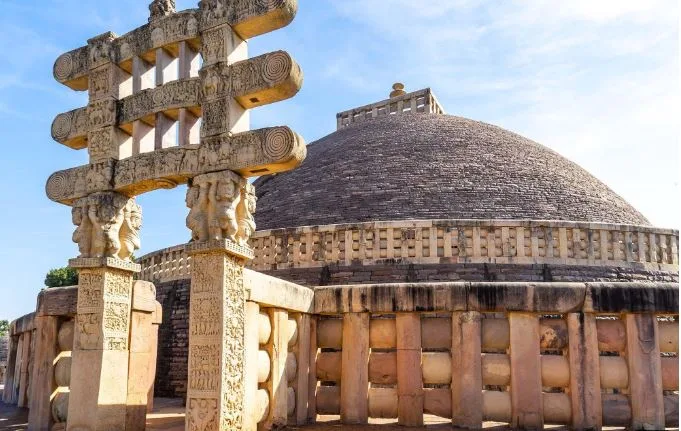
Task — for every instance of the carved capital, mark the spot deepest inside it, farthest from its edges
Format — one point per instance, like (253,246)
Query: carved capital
(107,227)
(213,199)
(244,214)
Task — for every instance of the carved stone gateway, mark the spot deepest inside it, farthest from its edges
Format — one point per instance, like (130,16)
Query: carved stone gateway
(156,119)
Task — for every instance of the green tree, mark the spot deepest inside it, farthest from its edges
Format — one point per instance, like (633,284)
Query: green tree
(4,327)
(58,277)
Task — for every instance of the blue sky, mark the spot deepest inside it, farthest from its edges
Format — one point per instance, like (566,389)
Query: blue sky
(596,81)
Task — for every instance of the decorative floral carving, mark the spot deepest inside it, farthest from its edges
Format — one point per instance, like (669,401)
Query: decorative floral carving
(233,353)
(102,144)
(116,317)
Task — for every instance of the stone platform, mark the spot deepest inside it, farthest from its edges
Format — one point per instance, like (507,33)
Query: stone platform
(168,414)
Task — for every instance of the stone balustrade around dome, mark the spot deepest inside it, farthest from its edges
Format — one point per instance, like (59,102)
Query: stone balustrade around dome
(444,241)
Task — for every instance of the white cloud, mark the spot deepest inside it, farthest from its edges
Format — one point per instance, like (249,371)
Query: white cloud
(595,80)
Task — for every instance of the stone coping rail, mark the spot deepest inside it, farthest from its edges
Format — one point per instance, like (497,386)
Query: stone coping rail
(444,241)
(544,297)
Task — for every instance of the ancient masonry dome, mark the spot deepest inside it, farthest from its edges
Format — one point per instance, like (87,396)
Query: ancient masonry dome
(402,192)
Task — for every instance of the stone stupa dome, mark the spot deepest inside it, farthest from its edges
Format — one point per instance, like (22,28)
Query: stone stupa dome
(433,166)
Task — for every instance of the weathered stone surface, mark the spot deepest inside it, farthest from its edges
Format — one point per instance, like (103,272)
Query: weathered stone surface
(560,297)
(315,255)
(466,370)
(552,297)
(254,82)
(410,396)
(383,403)
(249,153)
(516,179)
(43,376)
(62,371)
(220,208)
(270,291)
(107,226)
(354,408)
(217,285)
(639,297)
(585,388)
(248,19)
(65,336)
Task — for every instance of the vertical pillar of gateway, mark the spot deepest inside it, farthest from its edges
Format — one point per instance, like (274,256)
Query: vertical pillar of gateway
(217,304)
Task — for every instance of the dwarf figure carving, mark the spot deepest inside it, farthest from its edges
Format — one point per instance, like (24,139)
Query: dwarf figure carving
(223,197)
(83,233)
(197,202)
(244,213)
(106,215)
(213,200)
(130,230)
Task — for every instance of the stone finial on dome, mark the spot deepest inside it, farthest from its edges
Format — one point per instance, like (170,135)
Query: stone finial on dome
(399,103)
(398,90)
(161,8)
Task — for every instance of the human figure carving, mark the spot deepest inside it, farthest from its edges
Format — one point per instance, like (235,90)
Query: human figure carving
(197,219)
(106,215)
(83,233)
(245,211)
(223,198)
(129,234)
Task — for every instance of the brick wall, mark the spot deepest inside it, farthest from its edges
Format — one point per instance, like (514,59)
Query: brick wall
(173,339)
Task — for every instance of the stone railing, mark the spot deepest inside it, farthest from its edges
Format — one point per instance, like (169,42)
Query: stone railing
(444,241)
(421,101)
(4,349)
(19,360)
(39,365)
(584,355)
(279,381)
